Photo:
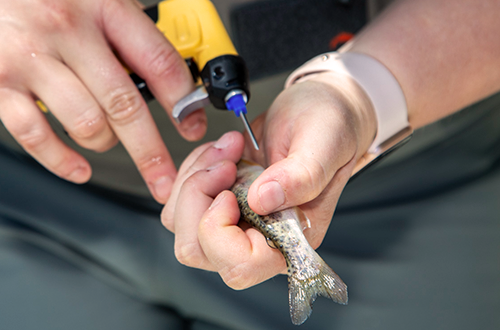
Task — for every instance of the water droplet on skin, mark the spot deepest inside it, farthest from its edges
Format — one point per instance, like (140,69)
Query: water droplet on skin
(156,160)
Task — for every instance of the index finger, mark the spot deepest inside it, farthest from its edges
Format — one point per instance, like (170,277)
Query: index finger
(138,40)
(149,54)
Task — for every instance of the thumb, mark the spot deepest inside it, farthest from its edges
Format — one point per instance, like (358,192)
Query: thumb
(303,174)
(289,182)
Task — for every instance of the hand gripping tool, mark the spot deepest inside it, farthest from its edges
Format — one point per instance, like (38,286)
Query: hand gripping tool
(195,29)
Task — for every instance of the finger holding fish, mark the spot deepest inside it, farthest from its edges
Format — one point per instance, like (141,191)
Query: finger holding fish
(184,172)
(195,197)
(229,146)
(207,232)
(239,253)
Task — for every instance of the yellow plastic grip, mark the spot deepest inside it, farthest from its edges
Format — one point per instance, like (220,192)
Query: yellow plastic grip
(195,29)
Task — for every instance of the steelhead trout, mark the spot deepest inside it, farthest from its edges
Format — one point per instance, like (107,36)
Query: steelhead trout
(308,275)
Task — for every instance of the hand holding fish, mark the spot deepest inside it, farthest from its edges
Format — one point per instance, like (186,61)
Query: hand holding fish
(312,136)
(204,216)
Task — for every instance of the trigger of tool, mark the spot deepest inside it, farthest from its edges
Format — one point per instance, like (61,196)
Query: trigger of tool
(188,104)
(235,101)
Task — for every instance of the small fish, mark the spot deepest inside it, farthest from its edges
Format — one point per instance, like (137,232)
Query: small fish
(308,275)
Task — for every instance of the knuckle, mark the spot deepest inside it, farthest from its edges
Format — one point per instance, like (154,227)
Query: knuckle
(30,136)
(58,17)
(318,174)
(124,106)
(236,277)
(11,71)
(148,161)
(192,183)
(167,222)
(4,73)
(167,215)
(313,175)
(187,254)
(164,62)
(88,128)
(35,138)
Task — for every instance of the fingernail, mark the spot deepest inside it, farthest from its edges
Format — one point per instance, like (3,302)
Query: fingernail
(216,201)
(162,187)
(271,196)
(225,141)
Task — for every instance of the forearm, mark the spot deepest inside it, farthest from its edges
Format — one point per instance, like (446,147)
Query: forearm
(445,54)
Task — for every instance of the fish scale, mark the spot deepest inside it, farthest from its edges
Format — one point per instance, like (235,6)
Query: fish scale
(308,274)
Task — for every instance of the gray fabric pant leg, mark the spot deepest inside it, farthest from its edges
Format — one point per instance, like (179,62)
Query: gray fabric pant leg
(417,241)
(41,289)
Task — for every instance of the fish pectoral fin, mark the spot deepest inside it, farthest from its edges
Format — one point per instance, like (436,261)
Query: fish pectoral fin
(303,292)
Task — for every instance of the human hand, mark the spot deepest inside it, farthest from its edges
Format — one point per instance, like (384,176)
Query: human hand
(205,216)
(62,52)
(312,136)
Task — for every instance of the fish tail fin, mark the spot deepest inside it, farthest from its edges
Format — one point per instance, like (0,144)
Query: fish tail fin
(304,286)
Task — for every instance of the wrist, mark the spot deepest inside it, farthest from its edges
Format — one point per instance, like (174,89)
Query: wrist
(362,118)
(380,86)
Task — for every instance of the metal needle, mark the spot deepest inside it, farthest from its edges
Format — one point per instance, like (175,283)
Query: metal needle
(249,130)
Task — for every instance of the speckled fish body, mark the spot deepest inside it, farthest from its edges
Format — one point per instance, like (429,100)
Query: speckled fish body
(308,275)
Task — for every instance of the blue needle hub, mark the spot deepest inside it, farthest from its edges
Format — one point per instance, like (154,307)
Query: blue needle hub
(237,104)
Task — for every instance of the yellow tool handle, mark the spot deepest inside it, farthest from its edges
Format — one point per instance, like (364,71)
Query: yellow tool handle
(195,29)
